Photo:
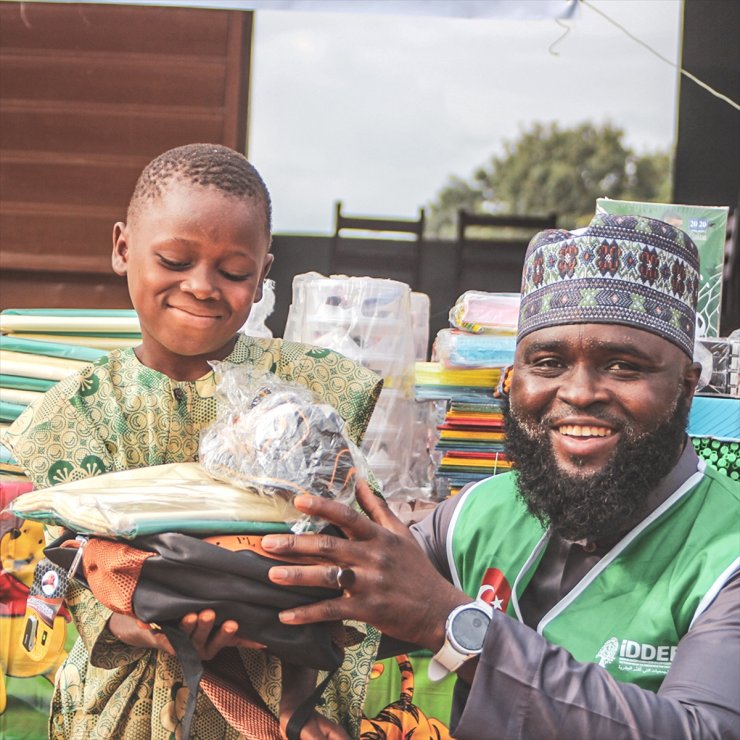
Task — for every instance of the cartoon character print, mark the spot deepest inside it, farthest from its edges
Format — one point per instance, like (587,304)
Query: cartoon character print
(21,548)
(402,719)
(173,712)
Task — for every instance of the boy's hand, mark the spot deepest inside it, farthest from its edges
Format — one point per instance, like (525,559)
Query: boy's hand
(209,642)
(298,683)
(135,633)
(319,727)
(198,627)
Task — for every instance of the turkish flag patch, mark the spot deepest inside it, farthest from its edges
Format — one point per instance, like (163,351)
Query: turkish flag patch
(495,589)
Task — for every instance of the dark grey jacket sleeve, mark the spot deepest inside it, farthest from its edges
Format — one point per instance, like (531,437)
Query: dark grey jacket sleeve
(525,687)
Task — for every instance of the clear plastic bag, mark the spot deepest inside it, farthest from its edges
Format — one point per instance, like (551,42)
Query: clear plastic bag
(261,311)
(271,436)
(368,320)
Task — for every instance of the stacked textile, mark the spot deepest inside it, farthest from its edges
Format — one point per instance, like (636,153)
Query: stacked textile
(30,367)
(103,329)
(472,443)
(435,382)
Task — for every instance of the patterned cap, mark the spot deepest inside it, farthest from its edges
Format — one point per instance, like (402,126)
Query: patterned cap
(627,270)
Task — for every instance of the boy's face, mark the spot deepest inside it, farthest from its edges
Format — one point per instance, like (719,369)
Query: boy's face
(195,259)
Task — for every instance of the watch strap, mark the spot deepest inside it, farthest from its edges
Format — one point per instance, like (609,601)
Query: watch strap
(446,661)
(449,658)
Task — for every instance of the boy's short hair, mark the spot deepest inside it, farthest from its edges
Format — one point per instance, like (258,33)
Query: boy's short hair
(201,164)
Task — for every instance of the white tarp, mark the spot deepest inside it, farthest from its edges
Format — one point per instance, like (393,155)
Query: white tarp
(517,9)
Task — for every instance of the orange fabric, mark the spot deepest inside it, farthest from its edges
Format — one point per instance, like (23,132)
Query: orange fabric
(112,570)
(239,542)
(253,542)
(235,698)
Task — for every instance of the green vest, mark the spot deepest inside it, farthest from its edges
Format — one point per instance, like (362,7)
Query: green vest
(630,611)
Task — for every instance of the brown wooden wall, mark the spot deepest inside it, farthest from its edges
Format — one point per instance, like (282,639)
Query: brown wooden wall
(88,95)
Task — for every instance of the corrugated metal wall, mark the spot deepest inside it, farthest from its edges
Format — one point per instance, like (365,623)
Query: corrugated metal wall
(88,95)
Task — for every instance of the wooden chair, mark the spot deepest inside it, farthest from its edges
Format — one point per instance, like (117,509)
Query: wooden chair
(494,262)
(393,258)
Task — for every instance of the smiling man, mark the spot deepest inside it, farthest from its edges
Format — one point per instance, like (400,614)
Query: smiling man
(594,592)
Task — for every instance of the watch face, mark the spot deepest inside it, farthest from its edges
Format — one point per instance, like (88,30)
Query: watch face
(468,629)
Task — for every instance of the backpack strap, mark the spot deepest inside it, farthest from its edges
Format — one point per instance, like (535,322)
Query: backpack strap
(192,670)
(302,714)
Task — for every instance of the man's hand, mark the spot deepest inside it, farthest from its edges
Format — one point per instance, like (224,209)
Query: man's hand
(395,587)
(198,627)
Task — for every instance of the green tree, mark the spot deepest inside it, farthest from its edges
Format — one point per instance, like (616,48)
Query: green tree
(549,169)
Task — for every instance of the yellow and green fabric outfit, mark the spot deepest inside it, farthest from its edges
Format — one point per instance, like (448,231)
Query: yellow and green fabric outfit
(118,414)
(630,611)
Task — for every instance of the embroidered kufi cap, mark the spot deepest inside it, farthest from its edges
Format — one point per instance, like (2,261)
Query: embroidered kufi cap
(628,270)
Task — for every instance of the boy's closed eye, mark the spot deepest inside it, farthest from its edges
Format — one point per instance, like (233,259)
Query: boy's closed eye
(178,265)
(172,264)
(235,277)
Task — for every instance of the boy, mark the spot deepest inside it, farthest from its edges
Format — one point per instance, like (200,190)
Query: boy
(194,250)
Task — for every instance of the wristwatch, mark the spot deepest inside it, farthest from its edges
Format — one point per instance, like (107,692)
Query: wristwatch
(464,634)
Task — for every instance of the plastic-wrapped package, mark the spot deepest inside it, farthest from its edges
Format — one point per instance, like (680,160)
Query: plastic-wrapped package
(720,361)
(424,458)
(479,312)
(369,321)
(455,348)
(255,325)
(271,436)
(420,310)
(365,319)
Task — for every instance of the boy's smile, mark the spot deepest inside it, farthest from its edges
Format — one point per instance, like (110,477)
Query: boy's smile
(195,259)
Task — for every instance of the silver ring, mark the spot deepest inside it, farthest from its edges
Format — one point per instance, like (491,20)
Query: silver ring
(345,578)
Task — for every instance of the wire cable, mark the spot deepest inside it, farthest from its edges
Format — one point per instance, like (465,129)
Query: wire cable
(693,78)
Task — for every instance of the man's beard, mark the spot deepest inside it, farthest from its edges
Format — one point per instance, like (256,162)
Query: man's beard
(601,505)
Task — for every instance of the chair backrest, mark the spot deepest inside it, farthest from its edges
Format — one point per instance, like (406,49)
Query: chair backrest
(370,256)
(503,247)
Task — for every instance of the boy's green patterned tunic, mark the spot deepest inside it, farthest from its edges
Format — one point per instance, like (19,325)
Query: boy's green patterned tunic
(119,414)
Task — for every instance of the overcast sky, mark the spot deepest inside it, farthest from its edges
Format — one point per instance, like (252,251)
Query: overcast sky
(377,110)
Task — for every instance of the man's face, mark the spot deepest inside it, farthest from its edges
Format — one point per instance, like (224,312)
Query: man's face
(597,417)
(195,260)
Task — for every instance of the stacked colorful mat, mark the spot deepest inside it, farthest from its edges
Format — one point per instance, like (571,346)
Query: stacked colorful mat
(472,355)
(470,444)
(39,347)
(714,428)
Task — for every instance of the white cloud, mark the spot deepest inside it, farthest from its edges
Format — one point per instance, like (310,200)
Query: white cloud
(378,110)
